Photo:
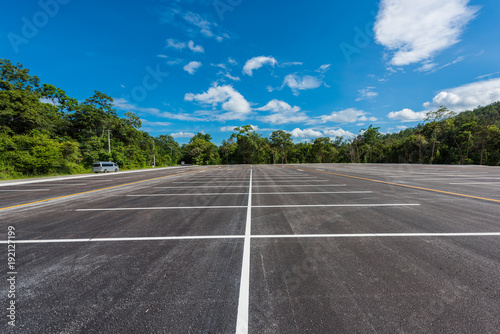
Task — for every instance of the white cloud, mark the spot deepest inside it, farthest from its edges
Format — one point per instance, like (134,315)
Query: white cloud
(407,115)
(401,127)
(467,97)
(350,115)
(182,117)
(161,56)
(228,128)
(172,43)
(296,82)
(256,63)
(418,30)
(367,93)
(182,134)
(149,123)
(282,113)
(197,48)
(232,61)
(229,76)
(291,63)
(323,68)
(235,105)
(192,67)
(306,133)
(339,133)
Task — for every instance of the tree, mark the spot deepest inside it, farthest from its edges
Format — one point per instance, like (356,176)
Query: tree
(320,147)
(370,137)
(436,118)
(280,141)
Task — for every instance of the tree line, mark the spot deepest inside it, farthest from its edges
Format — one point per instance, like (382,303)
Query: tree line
(43,131)
(471,137)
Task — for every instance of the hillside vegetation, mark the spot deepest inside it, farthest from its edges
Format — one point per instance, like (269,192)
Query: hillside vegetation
(45,132)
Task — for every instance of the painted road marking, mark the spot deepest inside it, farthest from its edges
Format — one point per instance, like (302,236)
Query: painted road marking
(242,317)
(4,190)
(241,206)
(100,189)
(482,183)
(378,235)
(167,208)
(269,236)
(269,193)
(406,186)
(284,185)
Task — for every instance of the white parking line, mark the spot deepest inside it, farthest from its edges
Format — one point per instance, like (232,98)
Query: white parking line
(194,237)
(241,207)
(269,193)
(334,205)
(16,190)
(263,186)
(268,236)
(243,301)
(481,183)
(167,208)
(377,235)
(314,192)
(195,194)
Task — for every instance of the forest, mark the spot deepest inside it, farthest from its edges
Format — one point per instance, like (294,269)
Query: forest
(45,132)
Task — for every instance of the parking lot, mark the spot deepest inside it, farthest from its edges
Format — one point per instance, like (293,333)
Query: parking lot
(323,248)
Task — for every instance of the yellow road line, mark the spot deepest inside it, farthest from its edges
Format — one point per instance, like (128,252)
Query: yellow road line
(94,190)
(401,185)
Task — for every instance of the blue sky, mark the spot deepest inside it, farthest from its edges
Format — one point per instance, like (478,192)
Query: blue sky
(322,69)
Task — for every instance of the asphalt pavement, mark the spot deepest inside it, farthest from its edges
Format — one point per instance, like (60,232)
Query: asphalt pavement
(319,248)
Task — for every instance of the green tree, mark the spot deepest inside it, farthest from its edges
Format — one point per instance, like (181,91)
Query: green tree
(436,118)
(280,141)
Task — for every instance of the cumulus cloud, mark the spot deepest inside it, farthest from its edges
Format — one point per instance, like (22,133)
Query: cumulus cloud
(312,133)
(467,97)
(418,30)
(282,113)
(349,115)
(256,63)
(306,133)
(192,67)
(297,82)
(339,133)
(182,134)
(230,100)
(407,115)
(367,93)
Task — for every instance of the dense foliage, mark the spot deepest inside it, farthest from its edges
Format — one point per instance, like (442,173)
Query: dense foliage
(44,131)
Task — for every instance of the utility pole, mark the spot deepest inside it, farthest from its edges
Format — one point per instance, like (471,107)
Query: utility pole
(154,154)
(109,142)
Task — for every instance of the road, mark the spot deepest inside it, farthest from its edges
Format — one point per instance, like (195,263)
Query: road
(320,248)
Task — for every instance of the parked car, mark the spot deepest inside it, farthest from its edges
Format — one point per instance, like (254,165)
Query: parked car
(105,166)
